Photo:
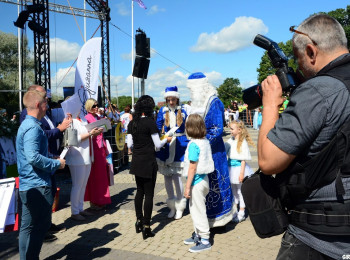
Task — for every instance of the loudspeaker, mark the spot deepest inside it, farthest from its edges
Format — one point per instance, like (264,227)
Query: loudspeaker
(142,45)
(140,67)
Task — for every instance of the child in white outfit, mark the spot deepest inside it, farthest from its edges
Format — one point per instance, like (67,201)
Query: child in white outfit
(237,151)
(198,163)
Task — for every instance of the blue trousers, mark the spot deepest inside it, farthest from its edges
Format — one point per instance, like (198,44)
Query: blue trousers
(35,221)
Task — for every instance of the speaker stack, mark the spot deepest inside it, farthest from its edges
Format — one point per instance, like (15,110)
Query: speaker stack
(141,64)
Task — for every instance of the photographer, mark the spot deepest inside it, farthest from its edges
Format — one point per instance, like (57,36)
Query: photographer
(317,108)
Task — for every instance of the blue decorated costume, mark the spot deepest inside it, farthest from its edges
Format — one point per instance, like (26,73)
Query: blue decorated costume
(170,158)
(208,105)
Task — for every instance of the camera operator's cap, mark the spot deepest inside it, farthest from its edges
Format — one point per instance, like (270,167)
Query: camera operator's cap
(171,92)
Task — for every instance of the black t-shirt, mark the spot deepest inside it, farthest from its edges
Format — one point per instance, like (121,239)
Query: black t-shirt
(143,161)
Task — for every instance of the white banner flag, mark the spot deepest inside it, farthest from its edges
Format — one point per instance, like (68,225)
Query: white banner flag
(86,74)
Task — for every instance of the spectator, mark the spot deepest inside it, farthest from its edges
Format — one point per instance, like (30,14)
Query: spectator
(97,190)
(34,168)
(79,162)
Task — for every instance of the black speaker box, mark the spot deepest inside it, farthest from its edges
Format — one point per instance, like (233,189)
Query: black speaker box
(142,45)
(140,67)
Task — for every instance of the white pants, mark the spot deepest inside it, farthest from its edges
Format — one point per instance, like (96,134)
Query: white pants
(236,190)
(198,209)
(168,182)
(80,175)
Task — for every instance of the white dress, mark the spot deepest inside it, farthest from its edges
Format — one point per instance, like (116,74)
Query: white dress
(244,155)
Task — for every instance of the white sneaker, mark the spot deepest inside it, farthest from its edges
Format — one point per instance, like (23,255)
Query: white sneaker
(241,216)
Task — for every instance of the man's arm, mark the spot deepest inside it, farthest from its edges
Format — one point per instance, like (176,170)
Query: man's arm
(271,159)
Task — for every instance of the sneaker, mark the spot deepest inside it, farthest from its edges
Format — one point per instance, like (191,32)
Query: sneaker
(194,239)
(50,237)
(86,213)
(78,217)
(56,229)
(199,247)
(241,216)
(235,219)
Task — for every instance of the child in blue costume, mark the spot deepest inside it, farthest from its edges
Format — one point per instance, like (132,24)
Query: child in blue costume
(208,105)
(170,158)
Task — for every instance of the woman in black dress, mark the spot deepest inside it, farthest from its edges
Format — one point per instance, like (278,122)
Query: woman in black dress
(143,135)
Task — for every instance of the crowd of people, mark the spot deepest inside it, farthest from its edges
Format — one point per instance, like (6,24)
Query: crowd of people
(186,142)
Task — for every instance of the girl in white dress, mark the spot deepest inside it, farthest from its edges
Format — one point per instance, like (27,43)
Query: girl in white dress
(238,153)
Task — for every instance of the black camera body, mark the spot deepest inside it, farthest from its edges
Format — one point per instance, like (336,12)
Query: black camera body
(252,96)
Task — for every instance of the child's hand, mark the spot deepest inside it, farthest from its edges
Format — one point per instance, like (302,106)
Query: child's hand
(241,177)
(187,193)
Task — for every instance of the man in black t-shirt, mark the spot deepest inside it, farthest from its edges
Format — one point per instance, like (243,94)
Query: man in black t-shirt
(317,108)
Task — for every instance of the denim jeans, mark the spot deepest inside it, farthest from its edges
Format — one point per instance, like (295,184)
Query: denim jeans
(293,248)
(35,221)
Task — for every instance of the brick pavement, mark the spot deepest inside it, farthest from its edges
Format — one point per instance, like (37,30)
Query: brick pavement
(111,233)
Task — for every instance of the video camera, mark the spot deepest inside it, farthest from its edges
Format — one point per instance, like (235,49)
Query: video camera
(252,96)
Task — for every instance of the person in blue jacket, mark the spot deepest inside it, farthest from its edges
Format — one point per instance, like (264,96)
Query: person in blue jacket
(170,158)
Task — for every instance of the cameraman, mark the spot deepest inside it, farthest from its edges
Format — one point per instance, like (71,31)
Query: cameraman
(317,108)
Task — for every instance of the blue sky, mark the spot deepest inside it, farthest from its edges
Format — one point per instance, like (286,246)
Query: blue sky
(214,37)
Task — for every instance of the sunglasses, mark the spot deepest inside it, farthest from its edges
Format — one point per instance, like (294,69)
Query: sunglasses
(94,106)
(299,32)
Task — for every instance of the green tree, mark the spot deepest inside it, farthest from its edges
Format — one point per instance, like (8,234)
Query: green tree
(343,17)
(9,70)
(123,101)
(265,67)
(230,90)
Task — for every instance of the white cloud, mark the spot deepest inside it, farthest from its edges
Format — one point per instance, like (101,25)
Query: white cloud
(63,51)
(63,78)
(123,10)
(238,35)
(156,83)
(155,9)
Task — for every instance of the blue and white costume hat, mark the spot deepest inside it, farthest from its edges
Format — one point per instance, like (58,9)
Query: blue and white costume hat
(197,81)
(171,92)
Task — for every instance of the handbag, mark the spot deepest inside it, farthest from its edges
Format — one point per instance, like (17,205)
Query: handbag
(261,196)
(70,137)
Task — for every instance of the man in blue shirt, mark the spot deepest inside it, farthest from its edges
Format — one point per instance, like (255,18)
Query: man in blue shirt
(35,168)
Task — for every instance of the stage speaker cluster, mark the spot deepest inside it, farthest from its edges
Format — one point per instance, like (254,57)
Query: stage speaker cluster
(142,61)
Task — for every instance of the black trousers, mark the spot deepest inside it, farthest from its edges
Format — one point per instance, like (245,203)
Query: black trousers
(293,248)
(144,197)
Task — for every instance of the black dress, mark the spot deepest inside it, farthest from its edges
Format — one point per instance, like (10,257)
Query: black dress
(143,162)
(144,167)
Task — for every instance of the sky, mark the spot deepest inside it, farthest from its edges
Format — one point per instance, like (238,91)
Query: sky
(187,36)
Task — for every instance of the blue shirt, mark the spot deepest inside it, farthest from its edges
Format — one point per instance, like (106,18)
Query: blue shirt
(193,155)
(34,166)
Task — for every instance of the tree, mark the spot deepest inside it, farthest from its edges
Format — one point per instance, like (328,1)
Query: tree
(123,101)
(343,17)
(265,66)
(230,90)
(9,70)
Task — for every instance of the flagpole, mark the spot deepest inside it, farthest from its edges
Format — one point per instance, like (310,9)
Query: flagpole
(132,54)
